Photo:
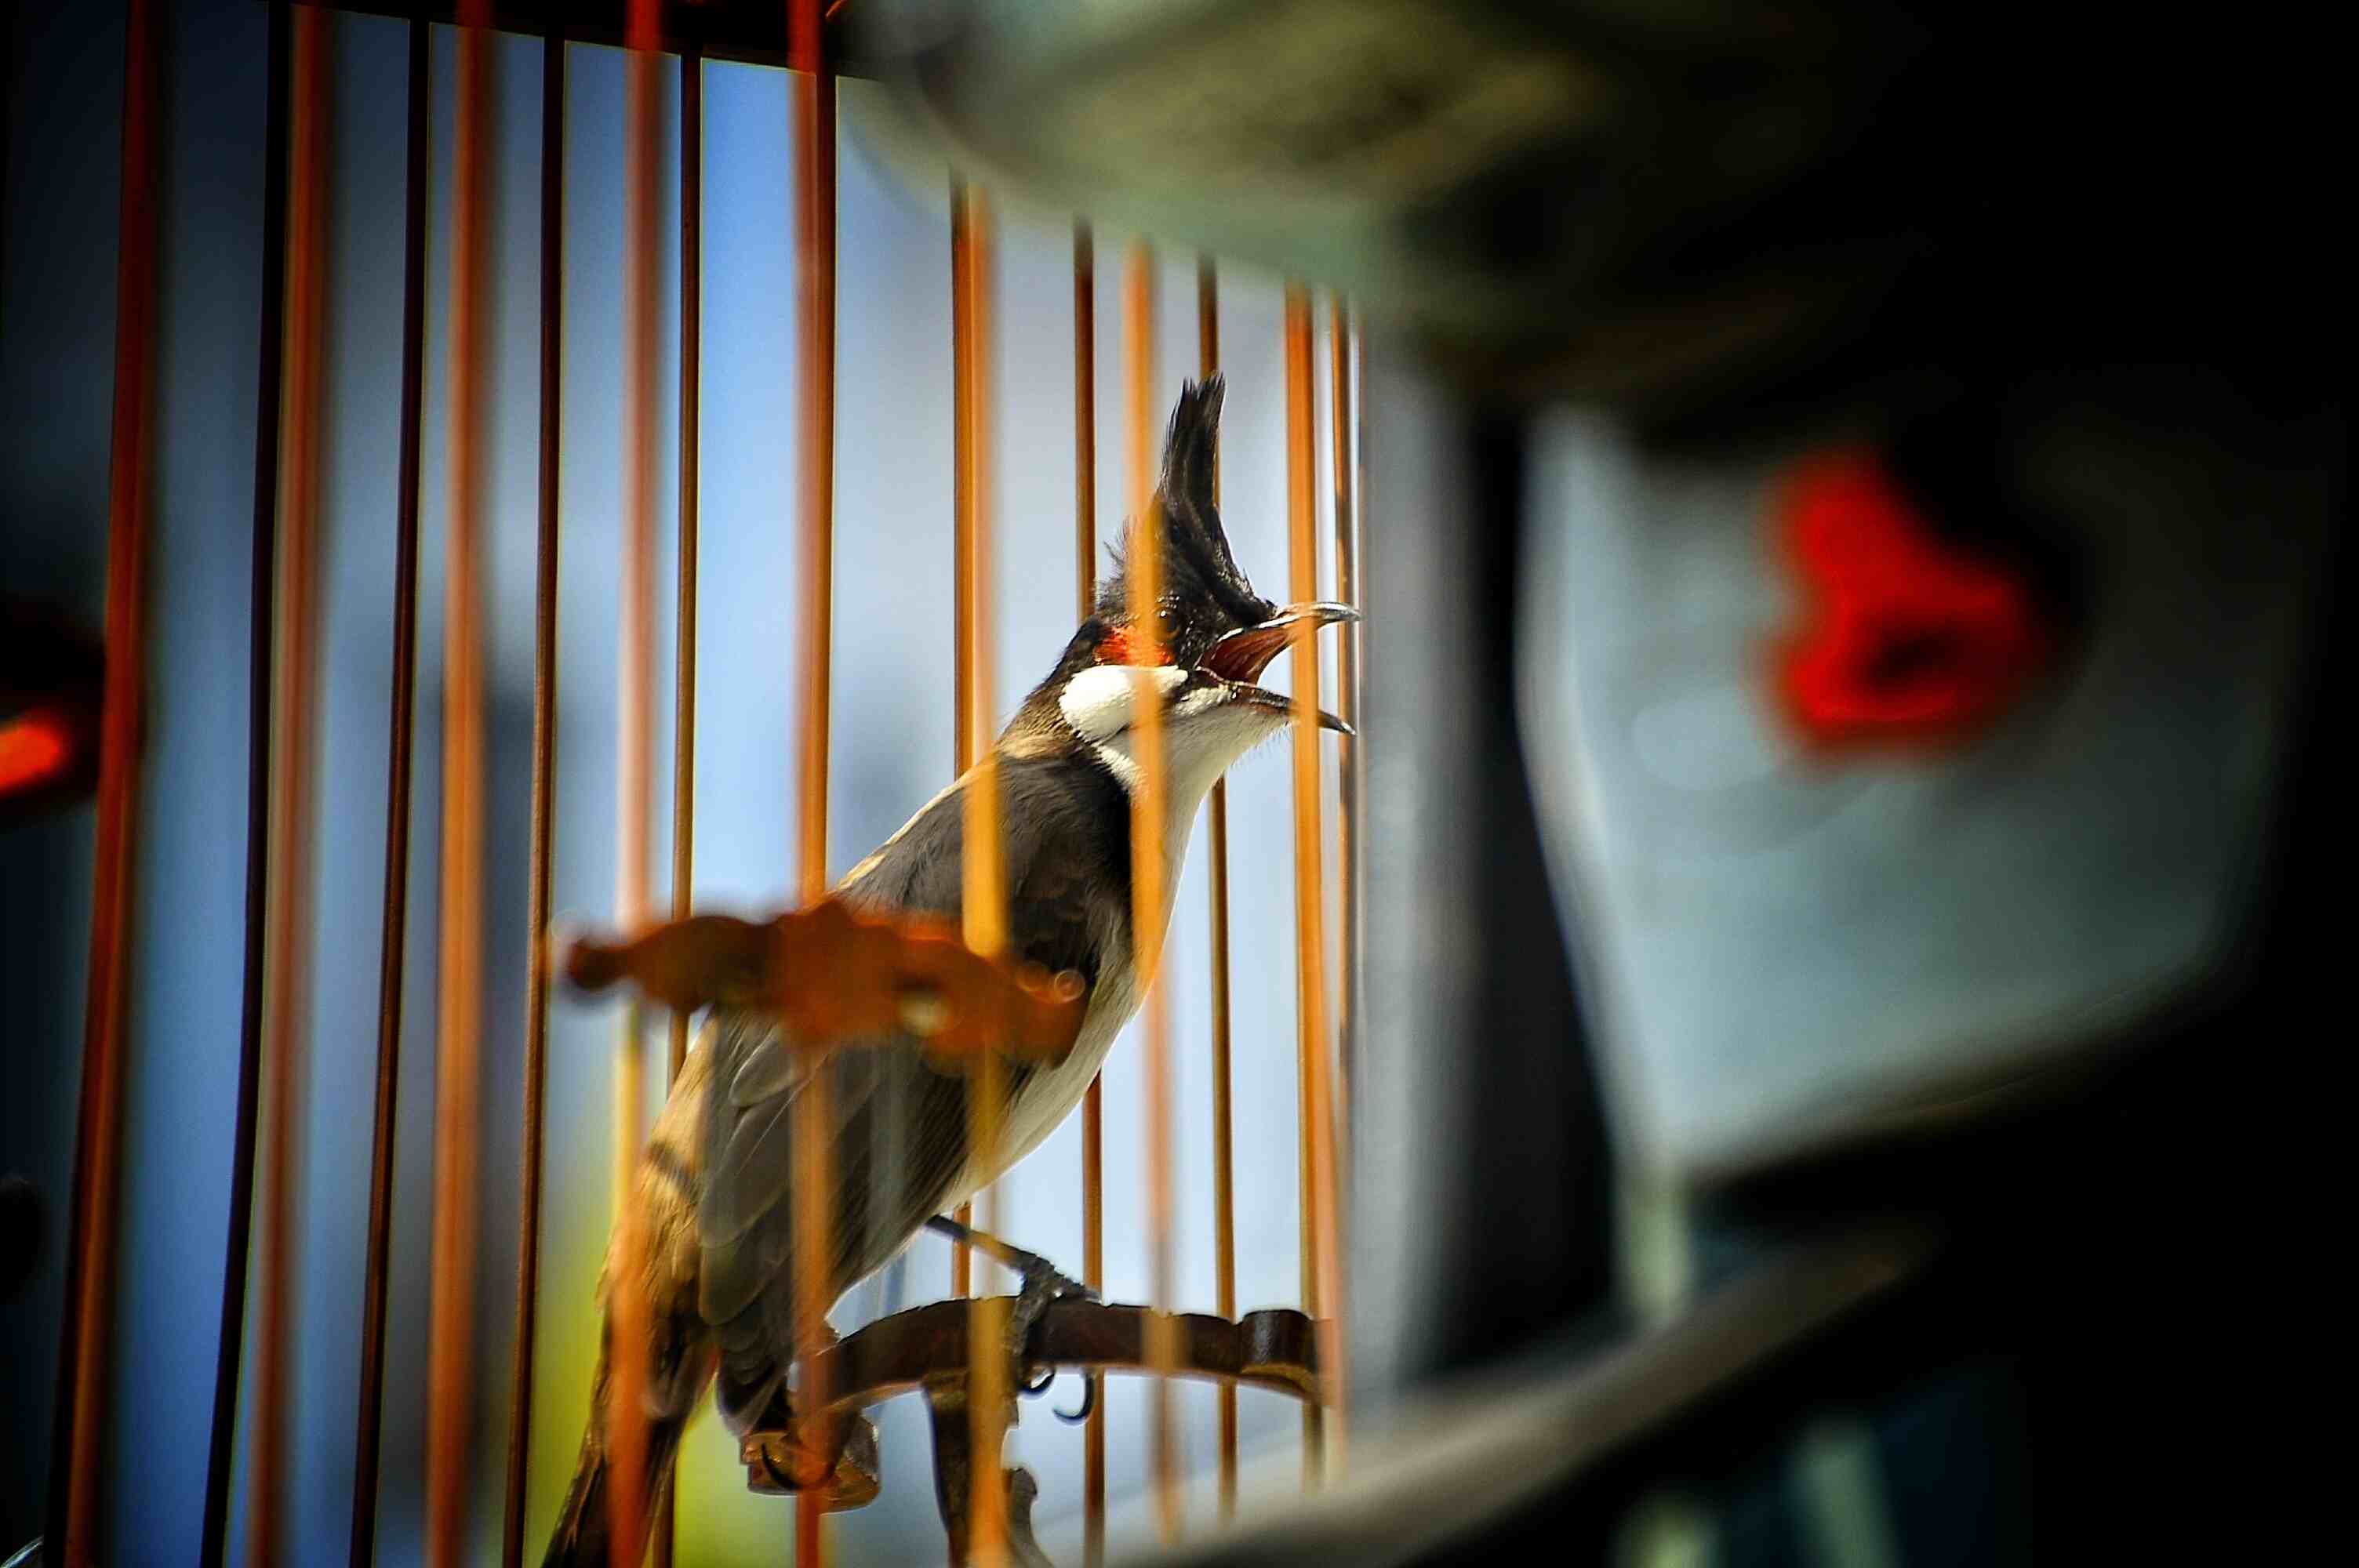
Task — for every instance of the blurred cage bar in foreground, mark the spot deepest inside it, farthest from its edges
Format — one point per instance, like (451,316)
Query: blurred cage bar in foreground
(283,748)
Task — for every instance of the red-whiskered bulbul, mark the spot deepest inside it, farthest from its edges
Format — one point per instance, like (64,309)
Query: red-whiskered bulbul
(715,1181)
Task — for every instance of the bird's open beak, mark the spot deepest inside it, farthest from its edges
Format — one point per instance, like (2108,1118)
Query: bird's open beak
(1241,656)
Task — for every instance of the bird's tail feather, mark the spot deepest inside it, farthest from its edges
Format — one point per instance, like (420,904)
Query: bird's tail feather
(584,1537)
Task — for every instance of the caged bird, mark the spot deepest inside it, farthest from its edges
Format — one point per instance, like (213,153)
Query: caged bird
(714,1187)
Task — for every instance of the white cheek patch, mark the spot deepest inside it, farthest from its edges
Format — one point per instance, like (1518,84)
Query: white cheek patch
(1097,701)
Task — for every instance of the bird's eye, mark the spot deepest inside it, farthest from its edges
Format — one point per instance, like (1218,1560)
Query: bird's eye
(1123,643)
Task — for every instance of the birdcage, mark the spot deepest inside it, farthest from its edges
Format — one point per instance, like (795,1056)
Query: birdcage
(675,959)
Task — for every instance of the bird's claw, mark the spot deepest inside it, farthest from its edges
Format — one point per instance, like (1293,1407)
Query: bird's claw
(1088,1399)
(1043,1285)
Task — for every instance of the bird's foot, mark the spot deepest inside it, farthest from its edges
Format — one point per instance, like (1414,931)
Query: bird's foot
(780,1458)
(1043,1285)
(834,1456)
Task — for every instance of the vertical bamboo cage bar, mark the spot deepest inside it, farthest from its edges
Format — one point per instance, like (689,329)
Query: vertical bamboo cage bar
(983,902)
(1224,1205)
(814,90)
(971,269)
(1315,1104)
(1345,413)
(90,1300)
(683,748)
(459,1011)
(1147,873)
(544,777)
(629,1341)
(294,780)
(1085,424)
(962,500)
(1085,563)
(401,712)
(221,1458)
(692,329)
(961,566)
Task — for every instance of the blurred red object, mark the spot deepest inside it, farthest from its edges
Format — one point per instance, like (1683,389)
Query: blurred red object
(1906,636)
(50,684)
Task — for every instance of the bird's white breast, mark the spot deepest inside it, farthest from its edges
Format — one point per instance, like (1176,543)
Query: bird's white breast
(1204,735)
(1052,1093)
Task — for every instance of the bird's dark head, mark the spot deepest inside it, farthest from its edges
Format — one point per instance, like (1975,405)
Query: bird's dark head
(1211,637)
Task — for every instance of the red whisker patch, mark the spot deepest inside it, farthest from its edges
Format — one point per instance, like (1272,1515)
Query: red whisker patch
(1117,648)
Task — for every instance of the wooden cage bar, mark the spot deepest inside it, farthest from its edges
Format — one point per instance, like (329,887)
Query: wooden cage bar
(1315,1105)
(458,1012)
(627,1308)
(1085,586)
(692,329)
(98,1164)
(963,726)
(544,784)
(1345,425)
(683,743)
(984,901)
(1086,422)
(1143,564)
(294,770)
(814,134)
(401,710)
(1217,849)
(270,336)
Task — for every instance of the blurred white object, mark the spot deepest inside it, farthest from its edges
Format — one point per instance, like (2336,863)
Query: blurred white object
(1783,949)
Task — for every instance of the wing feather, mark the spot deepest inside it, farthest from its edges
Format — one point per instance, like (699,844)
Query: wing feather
(897,1125)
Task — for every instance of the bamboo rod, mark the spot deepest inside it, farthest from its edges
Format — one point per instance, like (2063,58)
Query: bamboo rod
(1149,895)
(544,774)
(683,748)
(984,906)
(222,1457)
(1349,765)
(1085,562)
(1315,1105)
(1085,427)
(293,785)
(401,710)
(961,569)
(692,331)
(1224,1205)
(459,1011)
(814,98)
(629,1340)
(82,1413)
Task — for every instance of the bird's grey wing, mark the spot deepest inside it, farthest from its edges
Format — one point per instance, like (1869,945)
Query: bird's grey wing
(897,1126)
(1068,881)
(882,1111)
(867,1094)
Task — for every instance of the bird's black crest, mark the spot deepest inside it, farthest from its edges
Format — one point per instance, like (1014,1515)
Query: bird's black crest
(1196,557)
